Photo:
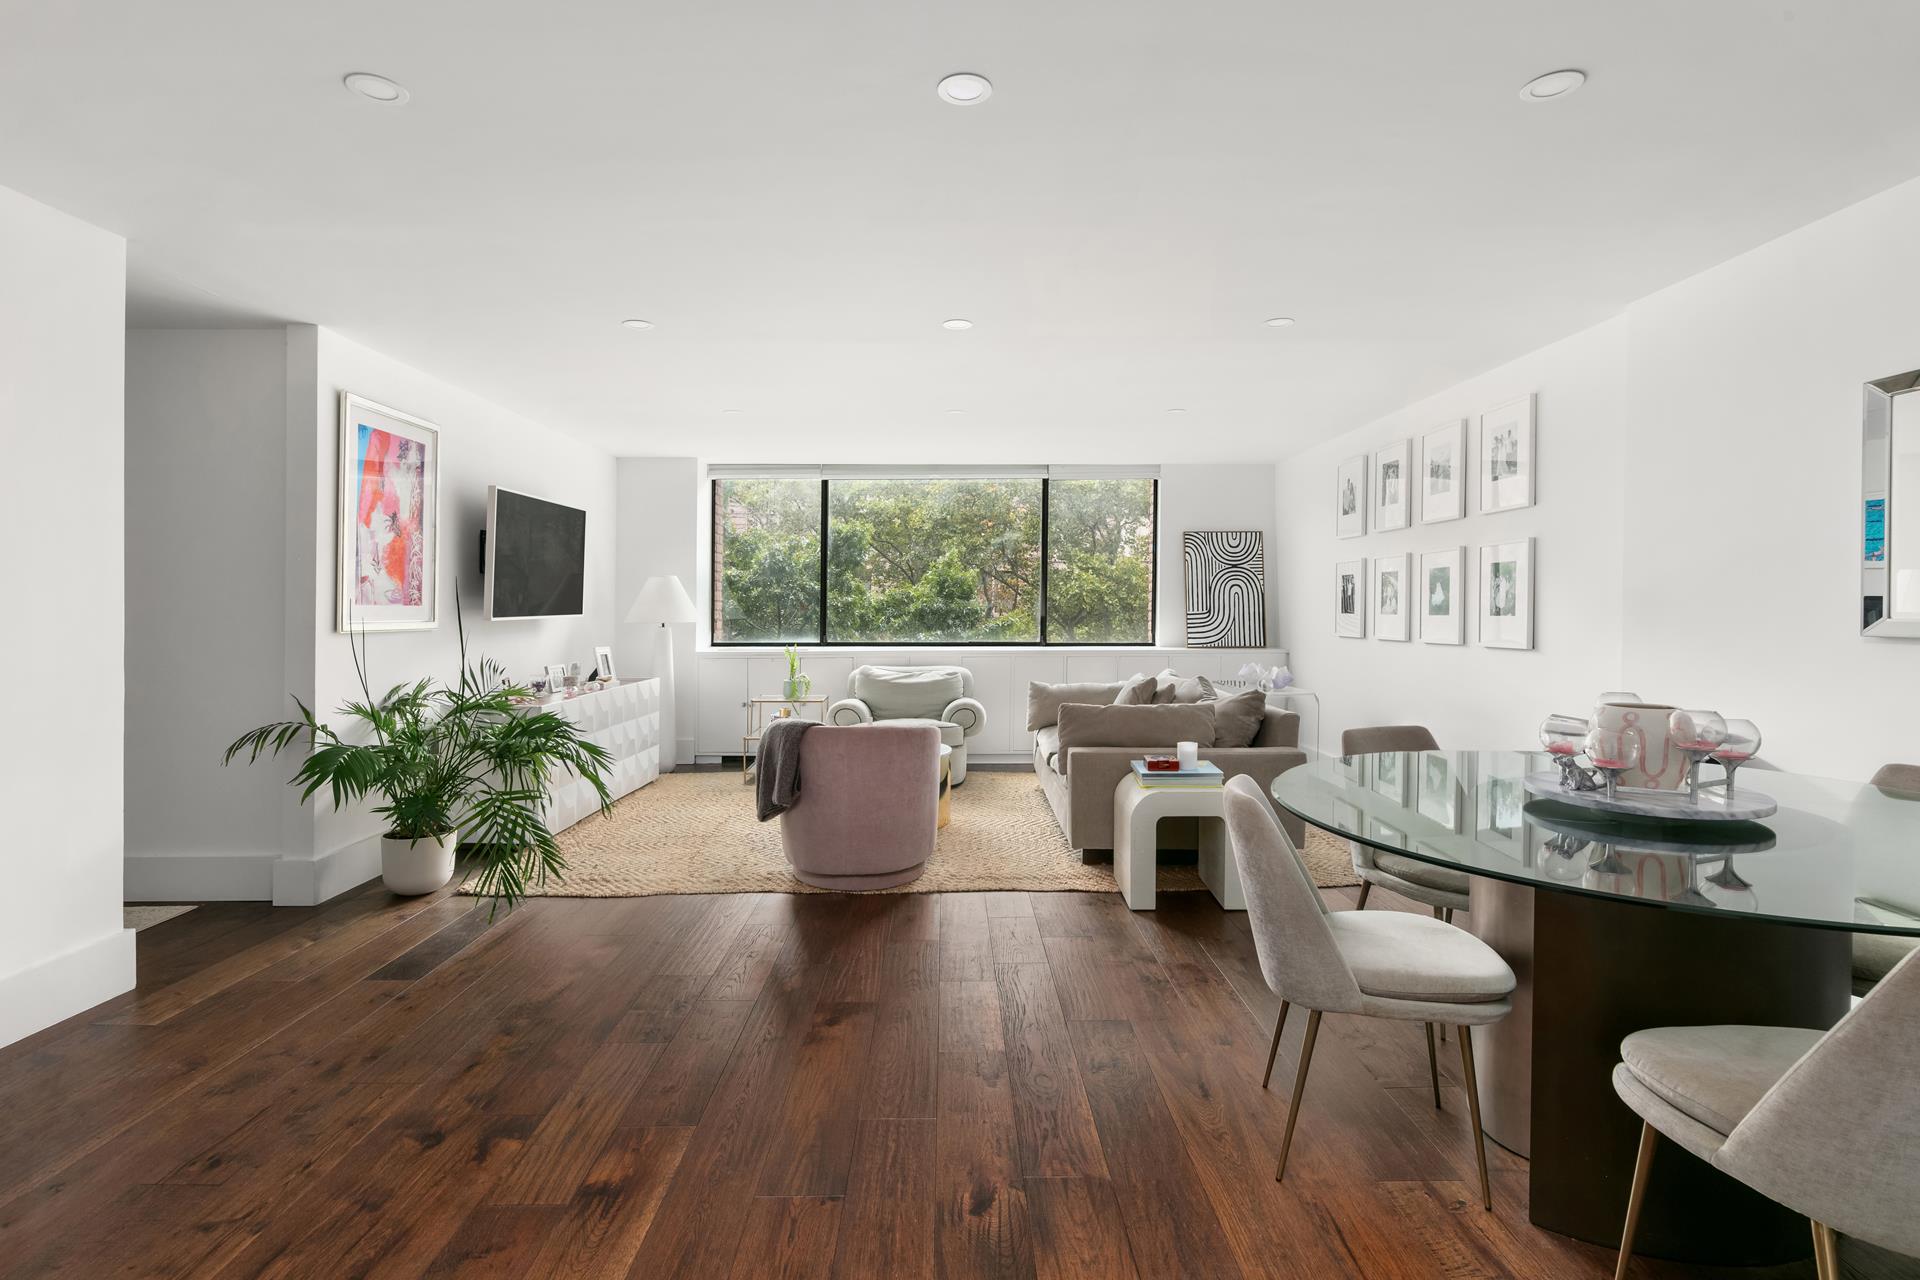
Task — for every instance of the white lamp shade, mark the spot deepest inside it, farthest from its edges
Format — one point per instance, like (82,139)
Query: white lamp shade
(663,600)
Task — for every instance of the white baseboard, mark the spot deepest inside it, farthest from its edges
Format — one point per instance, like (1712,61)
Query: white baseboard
(308,882)
(199,877)
(43,994)
(250,877)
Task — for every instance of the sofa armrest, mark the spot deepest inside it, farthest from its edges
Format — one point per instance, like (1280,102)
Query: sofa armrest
(968,713)
(1278,729)
(849,711)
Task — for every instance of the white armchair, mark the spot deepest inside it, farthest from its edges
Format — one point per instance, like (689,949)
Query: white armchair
(939,696)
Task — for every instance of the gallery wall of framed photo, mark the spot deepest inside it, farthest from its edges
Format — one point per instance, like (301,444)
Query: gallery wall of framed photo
(1428,595)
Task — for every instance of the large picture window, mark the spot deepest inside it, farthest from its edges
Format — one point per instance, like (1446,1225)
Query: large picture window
(933,561)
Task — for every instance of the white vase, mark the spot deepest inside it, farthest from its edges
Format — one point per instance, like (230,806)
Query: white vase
(412,867)
(1662,765)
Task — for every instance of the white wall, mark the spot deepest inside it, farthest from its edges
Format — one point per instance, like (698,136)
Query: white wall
(1209,496)
(1471,696)
(235,543)
(664,528)
(662,520)
(1698,520)
(1743,508)
(206,553)
(62,321)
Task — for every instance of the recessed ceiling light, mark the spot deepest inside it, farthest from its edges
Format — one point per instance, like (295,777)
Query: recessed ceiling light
(956,412)
(1554,84)
(730,411)
(638,324)
(1176,411)
(956,323)
(964,89)
(1280,322)
(378,88)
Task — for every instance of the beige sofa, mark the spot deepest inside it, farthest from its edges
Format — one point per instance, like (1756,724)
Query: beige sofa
(1080,780)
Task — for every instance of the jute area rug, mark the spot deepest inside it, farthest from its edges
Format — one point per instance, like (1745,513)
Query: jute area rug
(696,833)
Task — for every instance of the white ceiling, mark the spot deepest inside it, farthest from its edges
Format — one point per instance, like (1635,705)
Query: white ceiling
(776,186)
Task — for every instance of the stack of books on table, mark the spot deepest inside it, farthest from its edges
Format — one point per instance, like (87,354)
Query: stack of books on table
(1206,775)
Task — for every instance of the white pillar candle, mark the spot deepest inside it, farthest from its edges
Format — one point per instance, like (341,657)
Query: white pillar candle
(1189,753)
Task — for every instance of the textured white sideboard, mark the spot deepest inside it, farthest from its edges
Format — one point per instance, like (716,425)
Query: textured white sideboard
(623,718)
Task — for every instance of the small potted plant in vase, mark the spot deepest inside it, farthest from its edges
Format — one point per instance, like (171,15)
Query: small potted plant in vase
(799,683)
(444,762)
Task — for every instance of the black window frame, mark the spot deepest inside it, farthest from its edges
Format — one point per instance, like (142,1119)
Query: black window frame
(1046,558)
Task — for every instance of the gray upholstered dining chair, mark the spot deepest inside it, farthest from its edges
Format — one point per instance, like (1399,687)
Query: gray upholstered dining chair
(1382,964)
(1441,888)
(1875,954)
(1827,1125)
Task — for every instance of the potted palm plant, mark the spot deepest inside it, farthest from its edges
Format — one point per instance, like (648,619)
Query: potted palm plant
(445,763)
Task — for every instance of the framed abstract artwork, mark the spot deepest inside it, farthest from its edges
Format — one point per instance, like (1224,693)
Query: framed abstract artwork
(1442,608)
(1392,597)
(1226,589)
(1350,599)
(1393,486)
(1443,473)
(389,518)
(1506,595)
(1506,456)
(1350,498)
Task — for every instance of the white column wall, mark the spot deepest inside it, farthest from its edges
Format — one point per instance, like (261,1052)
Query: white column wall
(62,413)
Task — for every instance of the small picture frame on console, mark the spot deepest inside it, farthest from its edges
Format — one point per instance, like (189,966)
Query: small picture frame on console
(603,662)
(556,677)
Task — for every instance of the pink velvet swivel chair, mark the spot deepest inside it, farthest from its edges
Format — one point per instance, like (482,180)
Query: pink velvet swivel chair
(869,801)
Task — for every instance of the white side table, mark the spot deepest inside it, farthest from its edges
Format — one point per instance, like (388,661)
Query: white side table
(1137,811)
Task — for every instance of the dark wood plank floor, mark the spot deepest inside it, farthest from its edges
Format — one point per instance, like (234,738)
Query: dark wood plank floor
(1003,1084)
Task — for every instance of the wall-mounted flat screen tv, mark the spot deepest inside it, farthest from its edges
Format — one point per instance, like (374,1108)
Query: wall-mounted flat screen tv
(536,557)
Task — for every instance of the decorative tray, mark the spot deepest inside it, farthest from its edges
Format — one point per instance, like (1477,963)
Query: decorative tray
(1698,840)
(1660,806)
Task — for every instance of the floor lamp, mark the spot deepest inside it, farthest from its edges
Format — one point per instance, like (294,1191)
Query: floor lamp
(663,600)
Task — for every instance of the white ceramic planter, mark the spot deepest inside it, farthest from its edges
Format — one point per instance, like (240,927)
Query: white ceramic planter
(412,867)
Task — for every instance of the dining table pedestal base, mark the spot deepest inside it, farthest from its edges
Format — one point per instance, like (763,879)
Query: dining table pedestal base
(1593,970)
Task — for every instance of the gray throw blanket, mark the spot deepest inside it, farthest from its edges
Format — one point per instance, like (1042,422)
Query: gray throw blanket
(777,782)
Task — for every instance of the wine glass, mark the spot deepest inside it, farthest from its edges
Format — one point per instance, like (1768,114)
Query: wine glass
(1613,752)
(1739,745)
(1563,735)
(1697,734)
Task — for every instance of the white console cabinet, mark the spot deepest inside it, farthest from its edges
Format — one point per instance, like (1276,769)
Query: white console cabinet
(624,718)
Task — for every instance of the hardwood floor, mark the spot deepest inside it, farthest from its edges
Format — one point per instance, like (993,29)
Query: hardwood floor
(1002,1084)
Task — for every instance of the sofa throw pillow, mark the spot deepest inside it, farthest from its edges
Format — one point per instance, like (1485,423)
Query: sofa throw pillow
(1237,720)
(1045,700)
(1113,726)
(1172,687)
(1138,692)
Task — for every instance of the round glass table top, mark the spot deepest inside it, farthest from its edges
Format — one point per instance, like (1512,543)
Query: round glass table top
(1835,854)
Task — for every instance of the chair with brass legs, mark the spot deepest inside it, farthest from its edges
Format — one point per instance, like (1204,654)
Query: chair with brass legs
(1383,964)
(1442,888)
(1827,1125)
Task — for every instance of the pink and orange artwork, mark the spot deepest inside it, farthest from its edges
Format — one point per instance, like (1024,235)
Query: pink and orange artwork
(389,533)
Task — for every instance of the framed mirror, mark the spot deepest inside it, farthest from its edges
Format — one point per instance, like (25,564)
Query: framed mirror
(1889,544)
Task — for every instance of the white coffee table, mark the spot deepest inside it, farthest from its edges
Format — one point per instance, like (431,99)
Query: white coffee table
(1137,811)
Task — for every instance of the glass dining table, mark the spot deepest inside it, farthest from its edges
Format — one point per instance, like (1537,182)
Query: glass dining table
(1615,923)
